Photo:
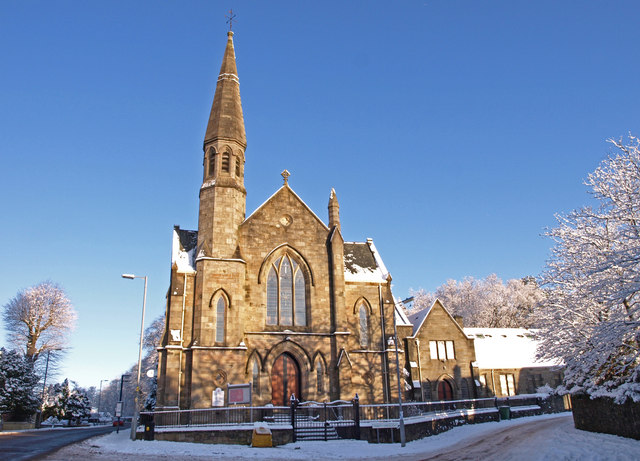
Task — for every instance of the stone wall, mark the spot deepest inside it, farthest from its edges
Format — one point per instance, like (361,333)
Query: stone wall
(236,436)
(603,415)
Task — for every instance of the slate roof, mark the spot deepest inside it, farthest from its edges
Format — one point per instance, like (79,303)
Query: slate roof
(183,252)
(362,263)
(418,317)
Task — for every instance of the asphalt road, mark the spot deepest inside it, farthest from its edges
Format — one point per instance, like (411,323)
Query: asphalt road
(35,444)
(512,443)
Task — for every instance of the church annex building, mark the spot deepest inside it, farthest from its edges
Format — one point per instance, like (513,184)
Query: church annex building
(278,299)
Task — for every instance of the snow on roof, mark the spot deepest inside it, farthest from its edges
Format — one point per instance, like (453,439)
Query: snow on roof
(183,251)
(362,263)
(507,348)
(401,316)
(417,318)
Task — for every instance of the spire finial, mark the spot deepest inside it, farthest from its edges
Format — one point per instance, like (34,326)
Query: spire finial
(285,175)
(230,19)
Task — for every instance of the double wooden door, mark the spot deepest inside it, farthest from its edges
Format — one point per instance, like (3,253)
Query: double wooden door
(445,392)
(285,380)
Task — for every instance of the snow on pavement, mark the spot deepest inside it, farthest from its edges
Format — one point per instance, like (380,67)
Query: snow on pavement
(563,441)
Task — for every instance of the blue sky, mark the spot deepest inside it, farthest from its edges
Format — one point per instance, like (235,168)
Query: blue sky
(452,132)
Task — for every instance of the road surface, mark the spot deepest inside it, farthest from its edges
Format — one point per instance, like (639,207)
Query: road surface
(26,445)
(517,443)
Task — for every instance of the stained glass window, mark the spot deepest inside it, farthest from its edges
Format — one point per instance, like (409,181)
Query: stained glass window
(286,293)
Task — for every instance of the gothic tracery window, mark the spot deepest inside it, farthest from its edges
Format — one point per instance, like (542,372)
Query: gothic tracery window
(286,293)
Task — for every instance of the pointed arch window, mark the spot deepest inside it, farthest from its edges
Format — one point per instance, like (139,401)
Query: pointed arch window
(225,162)
(320,377)
(364,325)
(286,293)
(255,377)
(237,167)
(221,311)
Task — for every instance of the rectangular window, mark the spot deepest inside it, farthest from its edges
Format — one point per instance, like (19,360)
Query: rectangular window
(511,384)
(433,350)
(503,385)
(483,380)
(450,353)
(508,384)
(442,351)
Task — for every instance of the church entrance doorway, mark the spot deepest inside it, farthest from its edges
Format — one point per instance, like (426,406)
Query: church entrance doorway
(285,380)
(445,392)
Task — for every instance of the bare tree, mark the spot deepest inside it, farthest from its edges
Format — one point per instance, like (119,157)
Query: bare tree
(487,302)
(39,319)
(592,318)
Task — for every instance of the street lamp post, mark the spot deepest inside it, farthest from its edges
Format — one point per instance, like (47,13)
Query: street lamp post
(134,421)
(100,395)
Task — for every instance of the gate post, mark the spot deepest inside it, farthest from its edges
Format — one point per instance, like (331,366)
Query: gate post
(293,415)
(356,417)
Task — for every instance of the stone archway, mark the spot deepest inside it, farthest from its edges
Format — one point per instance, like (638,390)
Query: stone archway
(285,380)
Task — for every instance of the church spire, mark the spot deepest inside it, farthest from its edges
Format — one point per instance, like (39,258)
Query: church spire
(226,121)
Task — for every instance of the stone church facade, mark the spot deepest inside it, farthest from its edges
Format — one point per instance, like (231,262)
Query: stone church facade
(277,298)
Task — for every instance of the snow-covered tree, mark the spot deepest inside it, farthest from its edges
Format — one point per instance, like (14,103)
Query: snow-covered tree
(39,319)
(487,302)
(68,402)
(593,277)
(17,385)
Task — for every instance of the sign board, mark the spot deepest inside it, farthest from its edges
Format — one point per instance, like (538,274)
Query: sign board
(118,409)
(217,398)
(239,393)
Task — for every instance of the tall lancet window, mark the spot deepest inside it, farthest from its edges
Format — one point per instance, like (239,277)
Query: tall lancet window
(212,162)
(221,307)
(255,377)
(286,293)
(237,167)
(364,325)
(319,377)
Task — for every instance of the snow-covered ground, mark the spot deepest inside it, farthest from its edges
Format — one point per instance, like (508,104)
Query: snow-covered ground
(535,438)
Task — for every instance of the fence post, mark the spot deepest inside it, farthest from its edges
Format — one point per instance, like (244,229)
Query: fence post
(325,420)
(293,415)
(356,417)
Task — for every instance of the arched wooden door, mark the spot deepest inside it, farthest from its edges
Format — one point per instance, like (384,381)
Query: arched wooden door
(285,380)
(445,392)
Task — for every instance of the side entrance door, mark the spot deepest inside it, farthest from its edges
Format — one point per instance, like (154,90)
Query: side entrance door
(285,380)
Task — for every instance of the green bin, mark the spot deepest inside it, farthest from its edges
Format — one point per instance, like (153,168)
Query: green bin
(505,412)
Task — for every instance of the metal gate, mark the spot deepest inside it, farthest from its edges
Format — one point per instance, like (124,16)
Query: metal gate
(339,419)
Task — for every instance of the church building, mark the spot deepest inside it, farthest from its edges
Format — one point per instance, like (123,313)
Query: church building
(275,298)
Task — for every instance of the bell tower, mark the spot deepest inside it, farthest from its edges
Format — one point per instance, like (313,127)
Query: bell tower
(222,194)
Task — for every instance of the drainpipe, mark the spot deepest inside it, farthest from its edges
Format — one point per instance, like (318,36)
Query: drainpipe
(184,302)
(385,368)
(419,368)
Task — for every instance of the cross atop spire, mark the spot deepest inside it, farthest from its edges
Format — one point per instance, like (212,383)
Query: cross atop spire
(230,19)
